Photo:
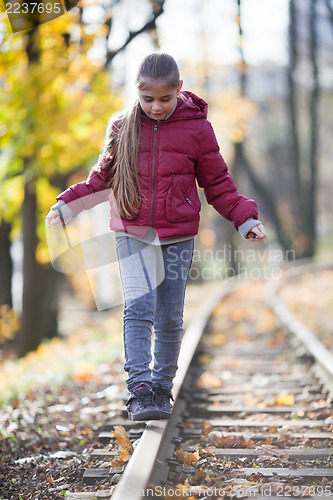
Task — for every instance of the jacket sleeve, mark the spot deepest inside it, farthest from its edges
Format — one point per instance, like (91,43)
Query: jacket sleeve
(89,193)
(219,187)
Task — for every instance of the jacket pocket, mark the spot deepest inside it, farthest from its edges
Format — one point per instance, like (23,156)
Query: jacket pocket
(182,201)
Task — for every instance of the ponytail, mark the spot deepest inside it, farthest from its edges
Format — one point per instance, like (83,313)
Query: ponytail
(121,146)
(119,156)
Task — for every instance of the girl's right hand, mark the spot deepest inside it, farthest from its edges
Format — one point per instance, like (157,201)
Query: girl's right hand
(53,217)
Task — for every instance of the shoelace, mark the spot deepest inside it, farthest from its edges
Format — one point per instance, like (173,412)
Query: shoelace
(162,396)
(145,398)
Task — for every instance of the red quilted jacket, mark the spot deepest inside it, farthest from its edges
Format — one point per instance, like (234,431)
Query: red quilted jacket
(173,154)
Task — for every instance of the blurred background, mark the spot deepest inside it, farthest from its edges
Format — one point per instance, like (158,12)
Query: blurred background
(265,67)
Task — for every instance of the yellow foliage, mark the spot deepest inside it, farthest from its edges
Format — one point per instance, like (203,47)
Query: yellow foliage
(9,323)
(11,199)
(237,134)
(236,112)
(54,112)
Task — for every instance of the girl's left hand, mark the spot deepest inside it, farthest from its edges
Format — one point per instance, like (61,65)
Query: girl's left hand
(257,233)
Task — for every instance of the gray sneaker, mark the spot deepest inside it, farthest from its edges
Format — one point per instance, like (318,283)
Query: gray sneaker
(141,405)
(162,400)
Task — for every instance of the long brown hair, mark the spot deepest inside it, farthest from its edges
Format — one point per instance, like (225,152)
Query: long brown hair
(121,146)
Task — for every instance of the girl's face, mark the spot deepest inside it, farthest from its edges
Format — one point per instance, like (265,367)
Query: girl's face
(157,98)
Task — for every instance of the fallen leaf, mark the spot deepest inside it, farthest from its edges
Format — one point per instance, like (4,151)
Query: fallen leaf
(233,442)
(269,440)
(203,450)
(199,475)
(123,441)
(117,462)
(208,381)
(285,400)
(183,487)
(207,427)
(187,458)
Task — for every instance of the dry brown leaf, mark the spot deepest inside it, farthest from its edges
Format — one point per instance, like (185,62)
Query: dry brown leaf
(269,440)
(209,452)
(234,442)
(199,475)
(123,441)
(183,487)
(178,492)
(208,381)
(207,427)
(187,458)
(189,425)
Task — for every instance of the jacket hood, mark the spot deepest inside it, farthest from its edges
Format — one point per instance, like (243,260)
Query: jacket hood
(189,106)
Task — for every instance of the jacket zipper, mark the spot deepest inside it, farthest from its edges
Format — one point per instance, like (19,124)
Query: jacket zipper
(154,161)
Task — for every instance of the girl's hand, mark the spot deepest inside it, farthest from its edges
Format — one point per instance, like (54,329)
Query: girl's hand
(257,233)
(53,217)
(59,214)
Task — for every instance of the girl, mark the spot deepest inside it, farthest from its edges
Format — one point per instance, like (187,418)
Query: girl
(153,154)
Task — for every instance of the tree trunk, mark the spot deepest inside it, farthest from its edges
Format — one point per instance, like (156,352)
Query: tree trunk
(39,314)
(6,265)
(305,185)
(29,335)
(311,236)
(292,111)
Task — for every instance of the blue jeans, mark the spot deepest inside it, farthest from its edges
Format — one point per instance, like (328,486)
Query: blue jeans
(153,281)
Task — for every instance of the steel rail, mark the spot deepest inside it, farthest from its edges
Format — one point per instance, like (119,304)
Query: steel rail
(134,480)
(293,325)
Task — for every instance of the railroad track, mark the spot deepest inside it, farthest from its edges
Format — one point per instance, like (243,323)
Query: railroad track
(253,413)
